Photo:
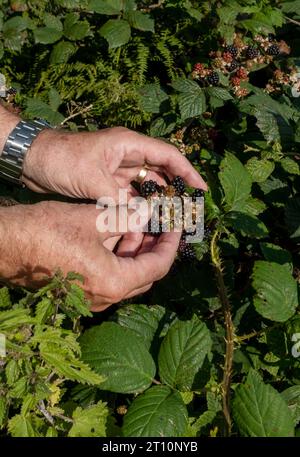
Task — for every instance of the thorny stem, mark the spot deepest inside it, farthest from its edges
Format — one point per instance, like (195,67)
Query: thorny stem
(78,113)
(229,329)
(293,21)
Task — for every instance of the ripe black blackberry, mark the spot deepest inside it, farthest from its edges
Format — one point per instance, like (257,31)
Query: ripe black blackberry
(271,37)
(233,66)
(213,78)
(148,188)
(197,193)
(187,252)
(273,50)
(232,50)
(178,184)
(11,91)
(252,52)
(207,232)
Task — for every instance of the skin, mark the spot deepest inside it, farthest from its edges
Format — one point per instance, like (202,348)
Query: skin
(36,240)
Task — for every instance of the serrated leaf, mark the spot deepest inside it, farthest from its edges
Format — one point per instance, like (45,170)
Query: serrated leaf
(39,109)
(290,166)
(141,319)
(292,217)
(159,412)
(152,97)
(274,253)
(52,22)
(46,35)
(12,372)
(89,422)
(260,411)
(191,99)
(292,397)
(182,353)
(140,21)
(74,29)
(5,301)
(116,31)
(3,410)
(236,182)
(247,224)
(260,169)
(14,318)
(109,7)
(21,427)
(254,206)
(118,353)
(220,93)
(276,296)
(61,52)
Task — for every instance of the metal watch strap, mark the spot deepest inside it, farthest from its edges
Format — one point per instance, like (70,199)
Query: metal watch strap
(16,146)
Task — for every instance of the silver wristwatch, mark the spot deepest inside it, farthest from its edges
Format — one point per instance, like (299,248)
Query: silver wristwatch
(16,146)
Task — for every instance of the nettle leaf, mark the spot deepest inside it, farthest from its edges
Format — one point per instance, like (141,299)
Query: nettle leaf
(191,99)
(89,422)
(247,224)
(116,31)
(109,7)
(118,354)
(141,319)
(276,296)
(182,353)
(260,411)
(5,301)
(21,427)
(152,96)
(3,410)
(13,318)
(62,52)
(158,412)
(236,182)
(140,21)
(292,397)
(47,35)
(74,29)
(260,169)
(292,217)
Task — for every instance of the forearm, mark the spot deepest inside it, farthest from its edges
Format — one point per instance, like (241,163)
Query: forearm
(8,121)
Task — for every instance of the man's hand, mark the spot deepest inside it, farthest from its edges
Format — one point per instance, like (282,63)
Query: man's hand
(38,239)
(93,165)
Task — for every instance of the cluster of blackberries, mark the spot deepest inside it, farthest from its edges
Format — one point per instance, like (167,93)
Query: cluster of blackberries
(148,188)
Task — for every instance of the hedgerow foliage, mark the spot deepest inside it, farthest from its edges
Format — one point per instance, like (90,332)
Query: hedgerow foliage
(213,349)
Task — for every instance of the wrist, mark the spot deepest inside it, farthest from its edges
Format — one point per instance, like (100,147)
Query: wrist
(8,123)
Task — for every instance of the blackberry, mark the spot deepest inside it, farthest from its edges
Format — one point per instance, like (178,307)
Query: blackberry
(197,193)
(213,78)
(11,91)
(233,66)
(252,52)
(148,188)
(232,50)
(187,252)
(178,184)
(273,50)
(271,37)
(207,232)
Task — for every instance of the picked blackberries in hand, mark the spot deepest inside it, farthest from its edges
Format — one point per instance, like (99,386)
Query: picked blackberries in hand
(273,50)
(213,78)
(252,52)
(178,184)
(148,188)
(232,50)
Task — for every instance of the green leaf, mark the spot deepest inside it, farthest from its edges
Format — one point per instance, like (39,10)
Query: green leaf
(75,301)
(5,301)
(118,353)
(152,97)
(3,410)
(276,295)
(62,52)
(247,224)
(116,31)
(14,318)
(157,412)
(274,253)
(54,99)
(260,411)
(74,29)
(191,99)
(219,92)
(292,397)
(141,319)
(109,7)
(290,166)
(39,109)
(140,21)
(236,182)
(46,35)
(254,206)
(182,353)
(260,169)
(292,217)
(21,427)
(53,22)
(89,422)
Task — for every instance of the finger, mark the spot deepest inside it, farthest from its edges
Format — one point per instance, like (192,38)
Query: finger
(130,244)
(140,291)
(124,176)
(148,267)
(156,152)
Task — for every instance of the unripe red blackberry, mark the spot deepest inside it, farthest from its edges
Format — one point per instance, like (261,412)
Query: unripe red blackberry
(213,78)
(148,188)
(252,52)
(235,81)
(242,73)
(273,50)
(178,184)
(198,67)
(227,57)
(233,50)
